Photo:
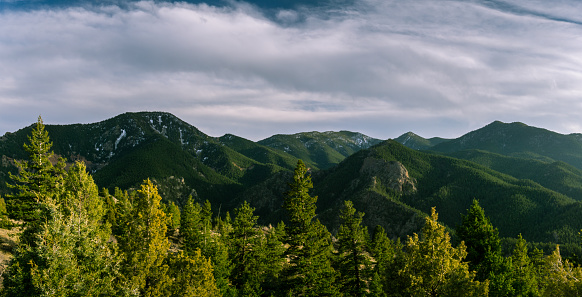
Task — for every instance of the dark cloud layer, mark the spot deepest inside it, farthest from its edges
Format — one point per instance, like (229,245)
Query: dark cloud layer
(439,68)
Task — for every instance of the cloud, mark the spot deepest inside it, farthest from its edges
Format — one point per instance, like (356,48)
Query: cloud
(381,67)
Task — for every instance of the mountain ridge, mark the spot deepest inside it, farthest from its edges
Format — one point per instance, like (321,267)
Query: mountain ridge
(393,184)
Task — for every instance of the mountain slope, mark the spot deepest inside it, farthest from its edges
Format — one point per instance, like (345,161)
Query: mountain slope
(320,150)
(416,142)
(519,140)
(555,175)
(426,180)
(394,185)
(258,152)
(124,150)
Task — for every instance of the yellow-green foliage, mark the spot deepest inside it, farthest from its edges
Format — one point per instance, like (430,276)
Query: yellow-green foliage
(191,276)
(434,267)
(144,244)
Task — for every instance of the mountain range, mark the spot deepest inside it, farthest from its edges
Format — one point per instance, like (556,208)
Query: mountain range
(528,180)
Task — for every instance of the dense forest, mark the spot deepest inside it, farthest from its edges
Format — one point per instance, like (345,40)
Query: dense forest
(74,240)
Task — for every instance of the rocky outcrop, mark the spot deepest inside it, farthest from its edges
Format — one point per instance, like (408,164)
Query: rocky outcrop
(391,174)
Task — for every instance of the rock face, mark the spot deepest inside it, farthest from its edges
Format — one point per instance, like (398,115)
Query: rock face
(391,174)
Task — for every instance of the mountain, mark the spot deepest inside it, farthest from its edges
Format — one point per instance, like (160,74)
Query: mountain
(258,152)
(391,181)
(518,181)
(519,140)
(320,150)
(555,175)
(126,149)
(416,142)
(396,186)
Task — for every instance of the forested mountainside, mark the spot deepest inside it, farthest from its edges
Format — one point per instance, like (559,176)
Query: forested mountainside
(509,139)
(77,241)
(323,149)
(510,168)
(124,150)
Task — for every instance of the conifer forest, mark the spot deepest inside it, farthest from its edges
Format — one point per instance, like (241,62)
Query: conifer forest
(74,239)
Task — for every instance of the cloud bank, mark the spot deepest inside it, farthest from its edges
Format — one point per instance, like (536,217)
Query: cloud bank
(438,67)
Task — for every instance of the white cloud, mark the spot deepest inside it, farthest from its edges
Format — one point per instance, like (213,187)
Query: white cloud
(381,67)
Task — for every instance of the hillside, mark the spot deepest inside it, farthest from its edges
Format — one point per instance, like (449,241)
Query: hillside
(321,150)
(393,174)
(417,142)
(519,140)
(555,175)
(394,185)
(126,149)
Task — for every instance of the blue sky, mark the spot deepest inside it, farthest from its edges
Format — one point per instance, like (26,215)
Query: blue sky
(380,67)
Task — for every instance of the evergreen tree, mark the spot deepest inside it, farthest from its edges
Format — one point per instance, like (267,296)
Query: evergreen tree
(218,254)
(144,244)
(71,254)
(195,231)
(224,226)
(354,264)
(481,240)
(174,212)
(383,252)
(191,230)
(245,241)
(191,276)
(37,179)
(206,226)
(273,252)
(110,207)
(435,268)
(309,271)
(122,212)
(559,277)
(524,280)
(5,222)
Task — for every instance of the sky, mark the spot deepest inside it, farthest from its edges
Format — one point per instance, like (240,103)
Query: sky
(379,67)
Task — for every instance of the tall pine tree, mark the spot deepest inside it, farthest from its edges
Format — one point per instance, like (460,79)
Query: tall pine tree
(71,254)
(144,244)
(246,252)
(37,179)
(524,279)
(435,268)
(354,262)
(309,271)
(481,239)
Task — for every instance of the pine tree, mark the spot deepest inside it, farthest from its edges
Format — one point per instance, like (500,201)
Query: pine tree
(385,269)
(5,222)
(559,277)
(273,250)
(190,226)
(309,271)
(122,212)
(524,280)
(144,244)
(37,179)
(195,231)
(174,212)
(481,240)
(353,261)
(435,268)
(218,254)
(191,276)
(110,207)
(71,254)
(246,256)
